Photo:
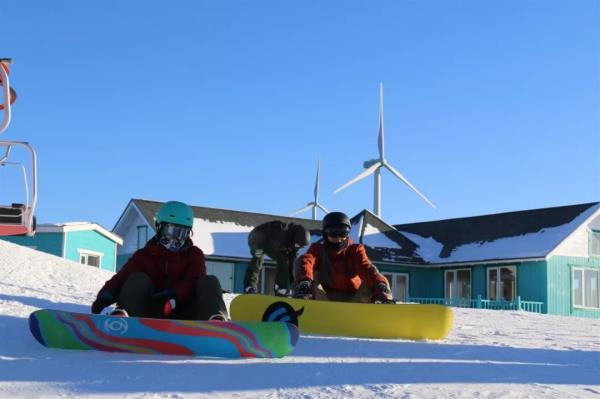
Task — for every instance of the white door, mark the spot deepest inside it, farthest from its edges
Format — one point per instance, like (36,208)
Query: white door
(223,271)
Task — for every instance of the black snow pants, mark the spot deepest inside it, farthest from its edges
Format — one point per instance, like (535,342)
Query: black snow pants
(137,298)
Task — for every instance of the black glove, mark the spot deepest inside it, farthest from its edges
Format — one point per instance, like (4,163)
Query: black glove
(382,294)
(103,300)
(304,290)
(168,298)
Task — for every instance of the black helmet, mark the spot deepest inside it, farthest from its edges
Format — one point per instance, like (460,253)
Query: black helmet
(300,235)
(336,219)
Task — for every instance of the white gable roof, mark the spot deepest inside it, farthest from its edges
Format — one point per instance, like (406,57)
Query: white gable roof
(78,226)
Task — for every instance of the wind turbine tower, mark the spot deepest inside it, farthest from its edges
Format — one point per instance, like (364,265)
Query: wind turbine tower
(374,167)
(315,203)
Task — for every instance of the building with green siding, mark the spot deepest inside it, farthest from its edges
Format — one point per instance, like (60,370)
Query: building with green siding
(81,242)
(545,260)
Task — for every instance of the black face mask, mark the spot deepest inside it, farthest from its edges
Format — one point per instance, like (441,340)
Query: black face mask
(336,245)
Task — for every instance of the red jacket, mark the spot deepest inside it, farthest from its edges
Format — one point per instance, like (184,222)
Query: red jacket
(166,269)
(350,267)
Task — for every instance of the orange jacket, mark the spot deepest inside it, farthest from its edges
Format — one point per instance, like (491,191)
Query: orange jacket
(349,267)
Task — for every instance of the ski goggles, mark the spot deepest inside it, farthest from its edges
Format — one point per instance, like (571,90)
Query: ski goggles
(337,231)
(175,232)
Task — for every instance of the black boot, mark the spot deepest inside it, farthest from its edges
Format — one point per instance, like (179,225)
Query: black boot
(206,302)
(136,296)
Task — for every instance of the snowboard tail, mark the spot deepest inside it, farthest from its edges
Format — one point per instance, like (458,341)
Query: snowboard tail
(408,321)
(68,330)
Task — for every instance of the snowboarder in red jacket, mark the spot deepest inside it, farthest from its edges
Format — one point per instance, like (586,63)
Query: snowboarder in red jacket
(337,269)
(167,278)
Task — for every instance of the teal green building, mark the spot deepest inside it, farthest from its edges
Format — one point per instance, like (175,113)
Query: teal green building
(81,242)
(540,260)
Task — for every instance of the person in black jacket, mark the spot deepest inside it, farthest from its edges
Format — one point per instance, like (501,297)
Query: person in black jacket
(279,241)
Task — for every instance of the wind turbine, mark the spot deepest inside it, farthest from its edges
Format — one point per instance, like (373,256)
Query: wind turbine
(314,204)
(374,167)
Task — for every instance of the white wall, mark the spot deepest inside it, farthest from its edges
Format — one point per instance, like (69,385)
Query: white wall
(129,232)
(577,244)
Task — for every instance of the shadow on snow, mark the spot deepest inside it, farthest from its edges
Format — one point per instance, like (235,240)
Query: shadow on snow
(317,361)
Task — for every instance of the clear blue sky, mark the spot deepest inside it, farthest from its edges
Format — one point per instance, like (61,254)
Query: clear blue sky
(490,106)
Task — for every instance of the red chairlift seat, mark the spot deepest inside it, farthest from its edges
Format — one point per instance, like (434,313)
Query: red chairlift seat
(14,220)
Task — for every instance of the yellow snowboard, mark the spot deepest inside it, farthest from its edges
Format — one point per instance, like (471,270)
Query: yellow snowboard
(408,321)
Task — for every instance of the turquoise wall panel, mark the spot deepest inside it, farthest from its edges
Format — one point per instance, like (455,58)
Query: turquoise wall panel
(423,282)
(93,241)
(51,243)
(239,269)
(560,283)
(478,283)
(532,282)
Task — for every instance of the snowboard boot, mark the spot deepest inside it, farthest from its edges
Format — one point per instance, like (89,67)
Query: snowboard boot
(250,290)
(284,292)
(218,317)
(119,312)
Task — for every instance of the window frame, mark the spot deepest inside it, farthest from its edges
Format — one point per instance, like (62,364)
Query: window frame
(455,280)
(498,271)
(394,286)
(139,229)
(594,235)
(86,254)
(583,271)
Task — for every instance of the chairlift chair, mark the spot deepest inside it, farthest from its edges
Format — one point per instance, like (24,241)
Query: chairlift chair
(16,218)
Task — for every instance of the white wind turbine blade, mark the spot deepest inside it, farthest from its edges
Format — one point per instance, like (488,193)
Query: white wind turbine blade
(322,208)
(381,141)
(360,176)
(399,176)
(306,208)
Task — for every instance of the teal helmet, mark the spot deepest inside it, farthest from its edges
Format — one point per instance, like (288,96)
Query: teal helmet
(175,212)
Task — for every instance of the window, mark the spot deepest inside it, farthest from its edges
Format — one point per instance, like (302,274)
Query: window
(142,236)
(594,243)
(577,287)
(502,283)
(586,288)
(89,259)
(399,285)
(457,283)
(224,273)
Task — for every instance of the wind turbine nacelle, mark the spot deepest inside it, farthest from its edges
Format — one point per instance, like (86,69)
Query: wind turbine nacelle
(368,164)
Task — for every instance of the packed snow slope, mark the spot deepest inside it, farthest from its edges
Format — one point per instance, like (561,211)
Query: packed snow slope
(488,354)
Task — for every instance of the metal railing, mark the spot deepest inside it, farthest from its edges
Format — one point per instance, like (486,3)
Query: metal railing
(480,303)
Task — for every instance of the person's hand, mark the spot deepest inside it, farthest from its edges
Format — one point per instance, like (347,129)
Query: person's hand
(103,300)
(168,298)
(382,294)
(304,290)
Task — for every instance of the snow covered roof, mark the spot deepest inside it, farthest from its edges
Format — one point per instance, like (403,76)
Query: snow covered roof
(78,226)
(222,232)
(382,242)
(529,234)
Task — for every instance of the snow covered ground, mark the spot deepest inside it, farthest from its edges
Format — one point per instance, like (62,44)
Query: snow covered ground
(493,354)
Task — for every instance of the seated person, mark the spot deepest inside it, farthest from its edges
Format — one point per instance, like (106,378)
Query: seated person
(337,269)
(167,278)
